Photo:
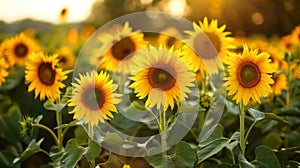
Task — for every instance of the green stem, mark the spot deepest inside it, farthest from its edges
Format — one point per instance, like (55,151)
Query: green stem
(249,130)
(242,129)
(49,130)
(201,120)
(91,132)
(163,134)
(59,129)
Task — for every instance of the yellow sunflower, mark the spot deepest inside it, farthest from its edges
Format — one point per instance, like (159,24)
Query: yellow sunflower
(121,44)
(161,76)
(209,41)
(3,70)
(66,57)
(44,76)
(93,98)
(169,41)
(280,83)
(20,47)
(249,76)
(3,52)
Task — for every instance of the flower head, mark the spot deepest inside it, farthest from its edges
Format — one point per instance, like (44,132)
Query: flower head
(121,44)
(44,76)
(249,76)
(162,77)
(19,48)
(94,98)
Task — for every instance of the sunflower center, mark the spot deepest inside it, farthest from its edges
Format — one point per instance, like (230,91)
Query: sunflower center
(123,48)
(171,41)
(248,74)
(206,44)
(46,74)
(21,50)
(161,79)
(93,98)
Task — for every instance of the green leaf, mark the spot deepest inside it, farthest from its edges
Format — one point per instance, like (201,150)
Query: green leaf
(257,115)
(94,150)
(244,162)
(265,157)
(71,124)
(160,161)
(211,149)
(9,122)
(73,153)
(275,117)
(216,134)
(32,148)
(184,156)
(15,76)
(273,140)
(50,105)
(113,139)
(38,119)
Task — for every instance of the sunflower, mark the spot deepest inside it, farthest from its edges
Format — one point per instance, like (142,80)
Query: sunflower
(119,47)
(209,41)
(44,76)
(66,57)
(20,47)
(249,76)
(161,76)
(3,70)
(3,52)
(93,98)
(169,41)
(280,83)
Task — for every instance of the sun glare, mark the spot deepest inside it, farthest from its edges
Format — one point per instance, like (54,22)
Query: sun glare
(46,10)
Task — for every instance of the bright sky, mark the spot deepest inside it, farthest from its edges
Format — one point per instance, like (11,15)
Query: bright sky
(45,10)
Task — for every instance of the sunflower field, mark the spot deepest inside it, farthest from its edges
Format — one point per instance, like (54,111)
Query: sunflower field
(149,89)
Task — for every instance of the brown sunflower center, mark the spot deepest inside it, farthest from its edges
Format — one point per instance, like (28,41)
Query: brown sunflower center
(171,41)
(123,48)
(248,74)
(21,50)
(93,98)
(163,79)
(46,74)
(206,44)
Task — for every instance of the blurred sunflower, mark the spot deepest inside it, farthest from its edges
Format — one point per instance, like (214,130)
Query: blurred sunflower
(194,62)
(66,57)
(20,47)
(169,41)
(287,43)
(3,52)
(249,76)
(161,76)
(44,76)
(209,41)
(280,83)
(121,44)
(3,70)
(93,98)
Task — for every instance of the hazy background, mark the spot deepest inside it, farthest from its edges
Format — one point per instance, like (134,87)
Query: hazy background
(248,17)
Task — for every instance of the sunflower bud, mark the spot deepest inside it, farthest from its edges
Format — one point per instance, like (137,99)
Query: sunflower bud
(205,101)
(26,125)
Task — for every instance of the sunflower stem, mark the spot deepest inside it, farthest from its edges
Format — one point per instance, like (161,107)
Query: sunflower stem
(49,130)
(59,129)
(91,135)
(242,129)
(163,128)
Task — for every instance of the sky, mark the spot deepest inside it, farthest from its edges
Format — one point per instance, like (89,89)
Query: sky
(44,10)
